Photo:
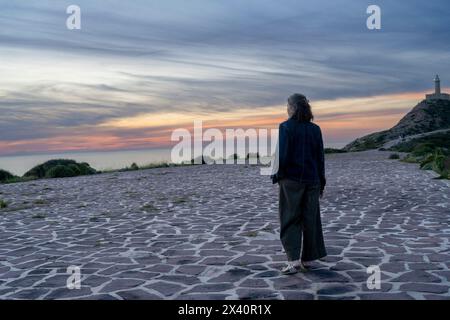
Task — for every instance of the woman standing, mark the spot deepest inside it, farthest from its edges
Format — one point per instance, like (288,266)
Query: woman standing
(301,177)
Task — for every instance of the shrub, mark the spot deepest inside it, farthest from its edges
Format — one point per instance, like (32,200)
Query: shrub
(333,150)
(76,170)
(197,160)
(60,171)
(134,166)
(422,149)
(3,204)
(85,169)
(5,175)
(438,162)
(394,156)
(60,168)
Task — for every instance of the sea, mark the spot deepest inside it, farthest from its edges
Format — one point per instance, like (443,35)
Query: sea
(99,160)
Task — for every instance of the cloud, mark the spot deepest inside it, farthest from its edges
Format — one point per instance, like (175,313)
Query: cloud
(205,57)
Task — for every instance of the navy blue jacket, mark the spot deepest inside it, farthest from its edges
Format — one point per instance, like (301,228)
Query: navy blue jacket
(301,154)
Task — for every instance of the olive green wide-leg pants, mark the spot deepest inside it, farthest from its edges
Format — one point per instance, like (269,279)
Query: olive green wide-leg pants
(299,213)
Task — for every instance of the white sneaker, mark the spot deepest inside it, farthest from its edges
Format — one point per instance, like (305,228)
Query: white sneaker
(300,266)
(290,268)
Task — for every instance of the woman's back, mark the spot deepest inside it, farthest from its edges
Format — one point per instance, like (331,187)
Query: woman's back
(301,154)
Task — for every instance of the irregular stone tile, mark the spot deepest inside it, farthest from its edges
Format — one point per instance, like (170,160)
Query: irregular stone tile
(116,269)
(254,283)
(161,268)
(296,281)
(94,281)
(323,275)
(336,289)
(27,281)
(267,274)
(216,287)
(248,259)
(137,294)
(193,270)
(436,297)
(416,276)
(186,280)
(232,275)
(215,261)
(344,266)
(424,287)
(99,297)
(257,294)
(134,274)
(121,284)
(165,288)
(64,293)
(385,296)
(295,295)
(202,296)
(29,294)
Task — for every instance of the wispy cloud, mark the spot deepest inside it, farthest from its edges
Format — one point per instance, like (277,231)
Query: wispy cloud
(142,59)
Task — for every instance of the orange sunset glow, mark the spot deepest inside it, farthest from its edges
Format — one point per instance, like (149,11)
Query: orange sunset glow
(341,120)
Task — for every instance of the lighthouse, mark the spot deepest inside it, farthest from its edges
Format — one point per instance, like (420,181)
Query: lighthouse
(437,95)
(437,85)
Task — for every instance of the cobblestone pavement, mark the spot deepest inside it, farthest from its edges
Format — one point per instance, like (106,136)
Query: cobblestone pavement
(211,232)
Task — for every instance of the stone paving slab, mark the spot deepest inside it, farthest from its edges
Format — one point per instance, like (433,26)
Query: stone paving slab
(211,232)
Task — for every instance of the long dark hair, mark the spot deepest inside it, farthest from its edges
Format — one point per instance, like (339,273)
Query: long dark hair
(302,108)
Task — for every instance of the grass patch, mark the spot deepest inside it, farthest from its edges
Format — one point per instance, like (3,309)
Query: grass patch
(394,156)
(432,152)
(149,207)
(333,150)
(40,202)
(39,216)
(250,234)
(180,200)
(3,204)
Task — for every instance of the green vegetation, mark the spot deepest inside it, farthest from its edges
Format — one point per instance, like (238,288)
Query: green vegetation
(60,168)
(332,150)
(431,152)
(427,144)
(135,167)
(3,204)
(40,202)
(394,156)
(438,162)
(250,234)
(39,216)
(252,155)
(149,207)
(426,116)
(5,176)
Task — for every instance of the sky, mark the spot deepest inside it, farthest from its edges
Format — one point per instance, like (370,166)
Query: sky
(139,69)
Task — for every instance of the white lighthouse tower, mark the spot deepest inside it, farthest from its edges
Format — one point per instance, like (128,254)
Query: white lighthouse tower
(437,95)
(437,85)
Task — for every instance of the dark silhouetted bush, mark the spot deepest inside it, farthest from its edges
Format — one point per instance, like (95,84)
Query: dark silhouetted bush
(60,168)
(60,171)
(5,175)
(3,204)
(134,166)
(333,150)
(394,156)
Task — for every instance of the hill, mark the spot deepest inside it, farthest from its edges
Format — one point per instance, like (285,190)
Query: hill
(425,117)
